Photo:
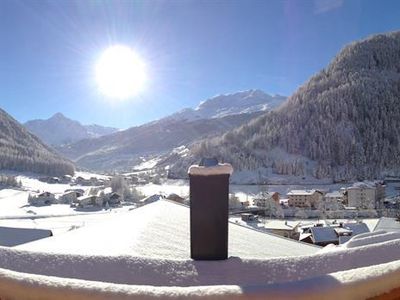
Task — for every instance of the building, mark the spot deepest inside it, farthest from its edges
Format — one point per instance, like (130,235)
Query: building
(149,199)
(89,201)
(334,196)
(69,197)
(248,217)
(288,229)
(304,198)
(45,198)
(175,197)
(361,195)
(261,199)
(325,235)
(113,199)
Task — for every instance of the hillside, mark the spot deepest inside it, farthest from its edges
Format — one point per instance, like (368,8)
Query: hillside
(344,123)
(123,149)
(59,130)
(22,151)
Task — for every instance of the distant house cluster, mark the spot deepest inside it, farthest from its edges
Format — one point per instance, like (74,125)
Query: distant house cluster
(78,198)
(361,195)
(336,233)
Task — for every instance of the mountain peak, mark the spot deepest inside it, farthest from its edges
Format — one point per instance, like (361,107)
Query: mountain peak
(223,105)
(59,130)
(58,116)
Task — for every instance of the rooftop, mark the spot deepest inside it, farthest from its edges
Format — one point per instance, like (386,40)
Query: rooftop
(301,192)
(161,229)
(387,224)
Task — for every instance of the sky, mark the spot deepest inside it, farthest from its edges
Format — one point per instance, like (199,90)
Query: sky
(192,50)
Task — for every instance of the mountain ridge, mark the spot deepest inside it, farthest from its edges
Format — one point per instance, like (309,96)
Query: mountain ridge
(343,123)
(22,151)
(157,137)
(58,130)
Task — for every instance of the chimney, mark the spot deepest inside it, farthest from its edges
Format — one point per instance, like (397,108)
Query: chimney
(209,206)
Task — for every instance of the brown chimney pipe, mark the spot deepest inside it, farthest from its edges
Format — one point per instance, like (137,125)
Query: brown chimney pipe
(209,207)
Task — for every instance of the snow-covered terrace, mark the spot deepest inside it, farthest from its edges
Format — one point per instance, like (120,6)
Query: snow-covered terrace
(366,266)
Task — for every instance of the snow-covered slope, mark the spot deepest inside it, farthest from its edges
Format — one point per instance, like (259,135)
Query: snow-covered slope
(122,150)
(22,151)
(230,104)
(59,130)
(344,122)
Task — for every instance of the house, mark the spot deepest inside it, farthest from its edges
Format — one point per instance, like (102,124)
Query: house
(54,180)
(261,199)
(45,198)
(175,197)
(82,181)
(334,196)
(113,198)
(324,235)
(66,178)
(149,199)
(68,197)
(89,201)
(304,198)
(288,229)
(361,195)
(248,217)
(78,192)
(352,229)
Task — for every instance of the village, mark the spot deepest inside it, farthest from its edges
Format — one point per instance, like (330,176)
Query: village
(314,216)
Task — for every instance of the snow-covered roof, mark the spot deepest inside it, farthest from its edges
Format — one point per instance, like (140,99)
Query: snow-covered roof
(362,185)
(323,234)
(366,266)
(220,169)
(387,224)
(357,228)
(161,229)
(335,194)
(282,225)
(301,192)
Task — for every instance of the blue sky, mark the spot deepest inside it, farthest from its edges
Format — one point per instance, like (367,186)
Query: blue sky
(193,50)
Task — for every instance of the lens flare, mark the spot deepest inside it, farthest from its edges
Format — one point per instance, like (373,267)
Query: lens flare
(120,73)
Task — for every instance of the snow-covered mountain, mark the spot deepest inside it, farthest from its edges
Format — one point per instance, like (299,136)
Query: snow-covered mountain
(122,150)
(59,130)
(230,104)
(22,151)
(344,123)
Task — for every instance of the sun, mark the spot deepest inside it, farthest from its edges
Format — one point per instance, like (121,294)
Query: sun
(120,73)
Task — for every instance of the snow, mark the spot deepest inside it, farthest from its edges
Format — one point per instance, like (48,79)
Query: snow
(323,234)
(161,229)
(147,164)
(388,224)
(220,169)
(373,269)
(97,256)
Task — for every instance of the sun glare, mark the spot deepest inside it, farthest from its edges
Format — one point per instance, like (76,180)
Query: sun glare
(120,73)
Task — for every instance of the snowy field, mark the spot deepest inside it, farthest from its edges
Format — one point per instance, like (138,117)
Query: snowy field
(15,210)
